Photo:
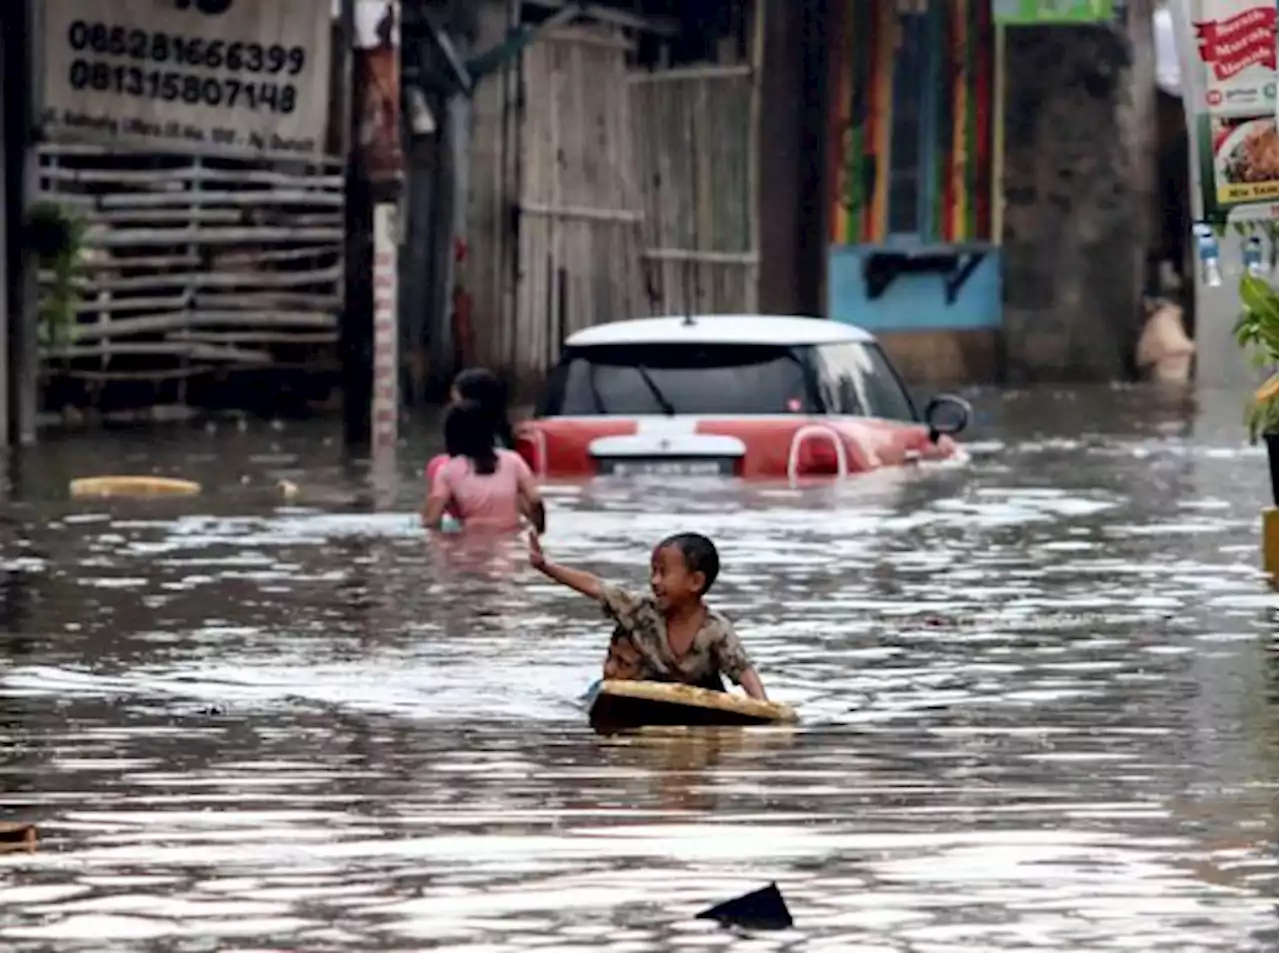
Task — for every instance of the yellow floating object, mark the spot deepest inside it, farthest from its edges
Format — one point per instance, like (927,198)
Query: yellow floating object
(1270,555)
(1267,390)
(132,486)
(17,836)
(622,705)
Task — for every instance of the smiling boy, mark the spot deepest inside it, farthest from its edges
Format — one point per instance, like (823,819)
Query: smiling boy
(671,635)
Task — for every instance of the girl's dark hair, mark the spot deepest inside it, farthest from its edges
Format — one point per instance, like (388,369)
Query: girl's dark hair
(467,434)
(481,385)
(699,555)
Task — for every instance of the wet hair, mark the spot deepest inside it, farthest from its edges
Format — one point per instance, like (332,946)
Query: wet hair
(699,555)
(481,385)
(467,434)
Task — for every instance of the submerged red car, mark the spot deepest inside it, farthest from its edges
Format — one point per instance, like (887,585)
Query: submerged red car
(752,396)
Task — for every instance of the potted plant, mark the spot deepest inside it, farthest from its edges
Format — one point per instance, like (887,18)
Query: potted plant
(1257,332)
(57,241)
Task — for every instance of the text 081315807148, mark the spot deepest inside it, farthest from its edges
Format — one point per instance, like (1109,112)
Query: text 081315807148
(190,88)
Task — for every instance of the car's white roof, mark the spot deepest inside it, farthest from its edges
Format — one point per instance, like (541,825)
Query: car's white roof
(720,329)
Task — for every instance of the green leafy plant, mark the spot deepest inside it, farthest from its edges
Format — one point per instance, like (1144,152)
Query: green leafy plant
(56,238)
(1258,333)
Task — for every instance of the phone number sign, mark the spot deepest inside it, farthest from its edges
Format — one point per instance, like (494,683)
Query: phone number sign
(235,76)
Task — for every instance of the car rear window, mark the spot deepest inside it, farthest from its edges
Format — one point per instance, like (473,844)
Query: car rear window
(635,379)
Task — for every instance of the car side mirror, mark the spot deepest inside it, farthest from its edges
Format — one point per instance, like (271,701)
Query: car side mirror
(946,414)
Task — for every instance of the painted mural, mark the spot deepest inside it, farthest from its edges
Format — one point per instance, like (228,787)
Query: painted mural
(945,48)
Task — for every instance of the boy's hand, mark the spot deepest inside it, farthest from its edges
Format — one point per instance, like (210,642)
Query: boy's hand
(536,558)
(589,584)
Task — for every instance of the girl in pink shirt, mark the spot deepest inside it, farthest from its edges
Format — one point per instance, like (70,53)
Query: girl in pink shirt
(483,485)
(481,385)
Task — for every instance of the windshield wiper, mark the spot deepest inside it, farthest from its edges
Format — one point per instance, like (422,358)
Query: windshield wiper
(655,390)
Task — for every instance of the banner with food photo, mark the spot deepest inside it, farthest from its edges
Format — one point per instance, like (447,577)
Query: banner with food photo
(1240,161)
(1234,47)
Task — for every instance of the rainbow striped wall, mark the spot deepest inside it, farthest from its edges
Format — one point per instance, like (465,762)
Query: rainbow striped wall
(957,194)
(940,60)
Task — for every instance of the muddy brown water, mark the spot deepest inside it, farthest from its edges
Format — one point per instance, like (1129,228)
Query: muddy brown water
(1038,690)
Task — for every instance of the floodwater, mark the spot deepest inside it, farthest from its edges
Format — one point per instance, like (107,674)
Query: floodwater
(1038,692)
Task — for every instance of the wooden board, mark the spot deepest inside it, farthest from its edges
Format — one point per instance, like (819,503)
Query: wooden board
(622,705)
(17,836)
(132,486)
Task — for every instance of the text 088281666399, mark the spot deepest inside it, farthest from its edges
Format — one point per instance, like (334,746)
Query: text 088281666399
(138,63)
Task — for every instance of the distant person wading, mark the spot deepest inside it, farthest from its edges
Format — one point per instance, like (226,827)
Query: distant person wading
(483,387)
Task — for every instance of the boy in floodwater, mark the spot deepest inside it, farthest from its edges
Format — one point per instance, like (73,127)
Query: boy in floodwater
(671,635)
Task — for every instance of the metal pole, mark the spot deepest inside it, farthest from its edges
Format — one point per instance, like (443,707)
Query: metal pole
(354,345)
(375,177)
(24,353)
(384,409)
(10,235)
(385,171)
(373,392)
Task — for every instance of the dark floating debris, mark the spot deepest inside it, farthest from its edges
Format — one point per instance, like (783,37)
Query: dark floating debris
(762,909)
(17,836)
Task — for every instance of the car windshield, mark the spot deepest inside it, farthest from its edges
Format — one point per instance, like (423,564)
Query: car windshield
(635,379)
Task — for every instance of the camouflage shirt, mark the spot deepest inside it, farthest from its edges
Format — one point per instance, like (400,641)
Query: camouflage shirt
(639,648)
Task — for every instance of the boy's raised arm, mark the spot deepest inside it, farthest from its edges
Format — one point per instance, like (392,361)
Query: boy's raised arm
(589,584)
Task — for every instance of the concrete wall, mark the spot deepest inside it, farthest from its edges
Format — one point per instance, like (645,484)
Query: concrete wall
(1075,214)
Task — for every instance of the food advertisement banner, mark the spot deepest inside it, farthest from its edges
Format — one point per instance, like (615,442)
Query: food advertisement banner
(1233,70)
(234,76)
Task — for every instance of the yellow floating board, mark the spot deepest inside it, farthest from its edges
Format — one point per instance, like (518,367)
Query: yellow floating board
(132,486)
(1271,544)
(17,836)
(623,705)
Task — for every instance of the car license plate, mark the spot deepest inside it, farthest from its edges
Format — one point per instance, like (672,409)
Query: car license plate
(666,466)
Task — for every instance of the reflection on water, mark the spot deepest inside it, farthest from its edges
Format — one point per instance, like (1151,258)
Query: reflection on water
(1039,701)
